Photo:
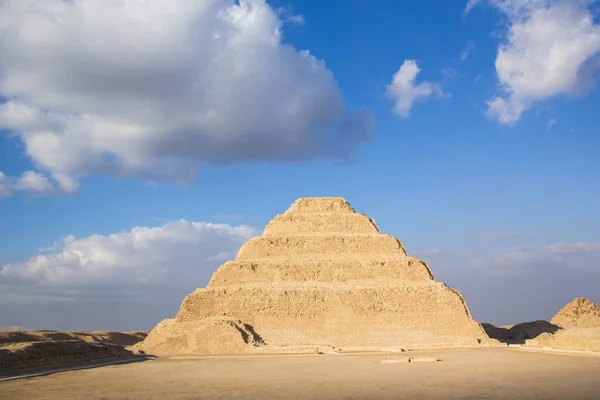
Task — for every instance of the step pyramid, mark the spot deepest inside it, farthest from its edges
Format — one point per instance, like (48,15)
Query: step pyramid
(320,275)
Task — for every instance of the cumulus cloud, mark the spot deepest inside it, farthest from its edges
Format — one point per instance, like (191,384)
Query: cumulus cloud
(174,251)
(287,15)
(405,91)
(154,89)
(139,266)
(33,181)
(552,47)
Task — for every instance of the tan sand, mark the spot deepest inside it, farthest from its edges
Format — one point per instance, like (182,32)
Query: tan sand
(461,374)
(320,275)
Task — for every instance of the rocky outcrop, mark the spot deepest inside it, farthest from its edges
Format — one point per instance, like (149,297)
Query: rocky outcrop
(320,274)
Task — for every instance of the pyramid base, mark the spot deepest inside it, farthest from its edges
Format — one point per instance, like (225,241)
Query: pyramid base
(216,335)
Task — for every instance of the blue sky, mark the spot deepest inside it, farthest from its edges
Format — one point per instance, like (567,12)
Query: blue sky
(497,201)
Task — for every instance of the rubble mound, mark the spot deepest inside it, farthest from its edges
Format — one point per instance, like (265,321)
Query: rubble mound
(580,328)
(213,335)
(580,313)
(319,275)
(581,339)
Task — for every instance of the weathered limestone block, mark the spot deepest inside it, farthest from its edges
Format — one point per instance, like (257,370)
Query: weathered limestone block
(294,224)
(321,247)
(320,205)
(322,271)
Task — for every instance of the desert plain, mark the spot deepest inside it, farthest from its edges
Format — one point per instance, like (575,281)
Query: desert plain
(492,373)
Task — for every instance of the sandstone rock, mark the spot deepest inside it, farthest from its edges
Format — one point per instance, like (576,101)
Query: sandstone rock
(319,275)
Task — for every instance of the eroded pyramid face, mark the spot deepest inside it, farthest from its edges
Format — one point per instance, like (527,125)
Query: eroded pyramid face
(323,274)
(580,313)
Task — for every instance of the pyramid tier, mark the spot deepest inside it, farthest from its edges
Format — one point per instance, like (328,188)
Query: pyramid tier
(337,315)
(321,247)
(321,271)
(293,224)
(319,205)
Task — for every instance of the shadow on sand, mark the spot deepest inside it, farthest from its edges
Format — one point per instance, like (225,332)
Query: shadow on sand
(518,334)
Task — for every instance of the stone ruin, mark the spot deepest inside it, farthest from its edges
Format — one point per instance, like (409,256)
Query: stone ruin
(578,326)
(320,275)
(580,313)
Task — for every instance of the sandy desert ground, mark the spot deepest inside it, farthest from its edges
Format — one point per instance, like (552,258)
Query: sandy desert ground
(493,373)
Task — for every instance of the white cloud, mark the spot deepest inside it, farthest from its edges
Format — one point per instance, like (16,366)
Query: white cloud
(552,48)
(404,90)
(32,182)
(287,15)
(295,19)
(154,89)
(551,123)
(176,254)
(470,5)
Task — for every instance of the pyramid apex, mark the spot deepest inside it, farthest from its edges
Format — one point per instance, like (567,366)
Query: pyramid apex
(316,205)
